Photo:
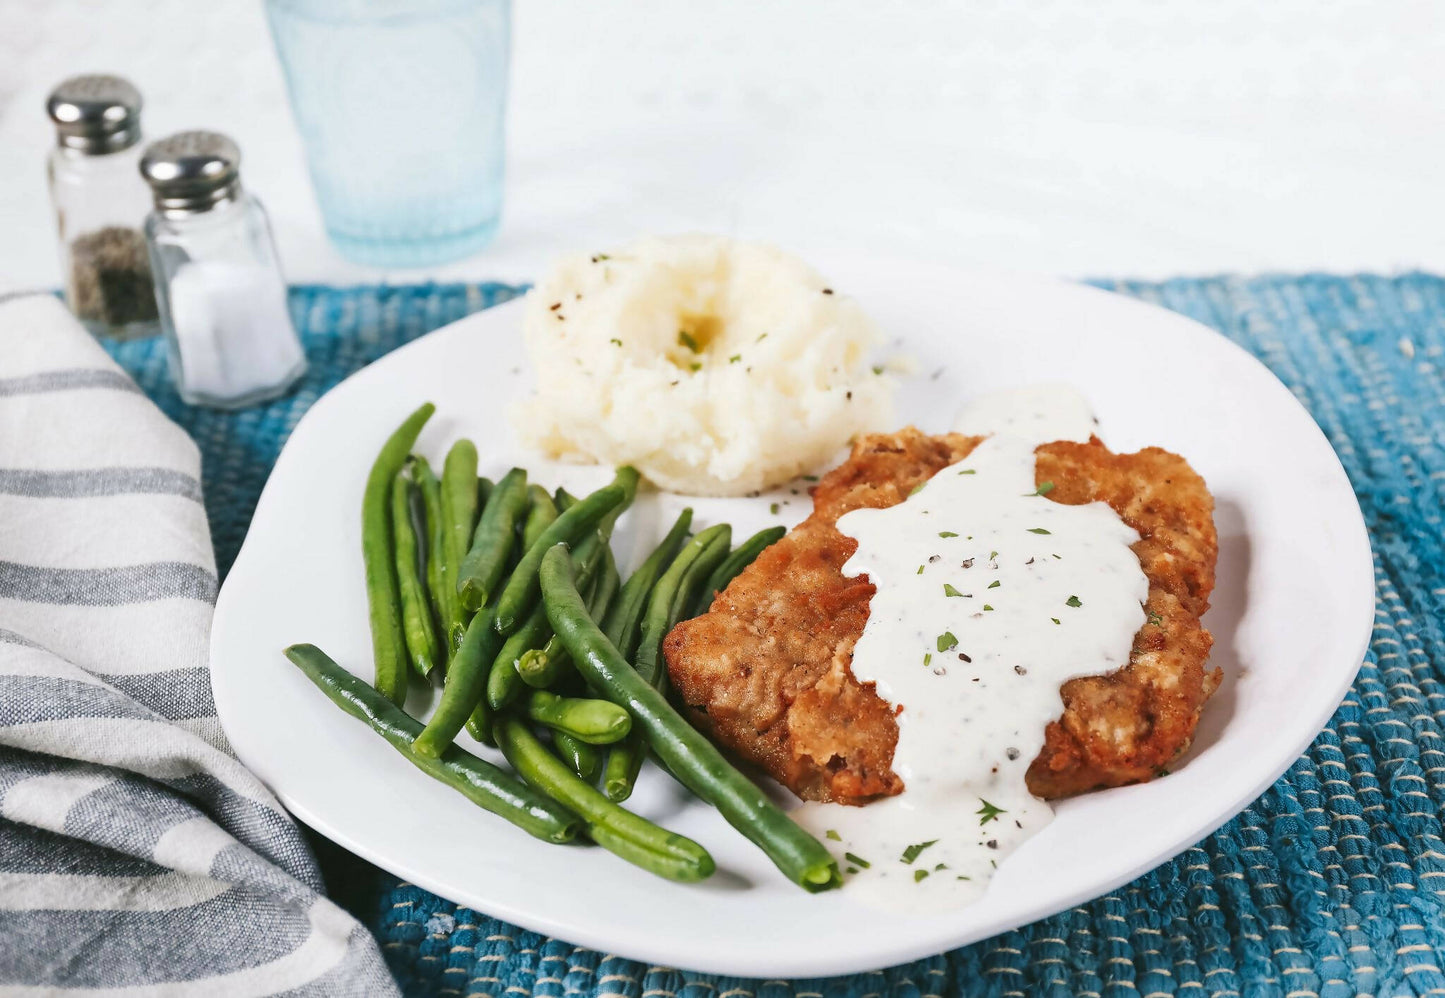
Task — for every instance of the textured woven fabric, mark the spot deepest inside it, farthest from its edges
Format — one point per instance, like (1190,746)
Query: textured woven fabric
(136,854)
(1330,884)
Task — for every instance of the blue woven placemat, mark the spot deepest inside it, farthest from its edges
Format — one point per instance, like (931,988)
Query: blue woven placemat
(1330,884)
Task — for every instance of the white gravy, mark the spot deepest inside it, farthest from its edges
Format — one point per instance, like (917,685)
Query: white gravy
(989,597)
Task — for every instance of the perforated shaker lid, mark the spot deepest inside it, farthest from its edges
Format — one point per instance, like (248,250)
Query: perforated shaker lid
(191,172)
(95,114)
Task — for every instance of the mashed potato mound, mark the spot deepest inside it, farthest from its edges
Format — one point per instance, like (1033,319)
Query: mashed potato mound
(715,367)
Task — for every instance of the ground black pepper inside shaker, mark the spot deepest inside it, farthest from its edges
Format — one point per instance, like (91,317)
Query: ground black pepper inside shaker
(100,205)
(110,277)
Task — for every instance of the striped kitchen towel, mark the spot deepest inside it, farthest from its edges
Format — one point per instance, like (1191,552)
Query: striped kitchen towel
(137,856)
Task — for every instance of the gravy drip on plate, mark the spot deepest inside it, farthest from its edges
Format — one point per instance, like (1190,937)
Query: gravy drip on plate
(989,597)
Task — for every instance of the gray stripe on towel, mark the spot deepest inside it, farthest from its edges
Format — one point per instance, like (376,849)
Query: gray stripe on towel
(177,694)
(96,482)
(8,637)
(27,849)
(144,948)
(34,699)
(130,815)
(68,380)
(106,586)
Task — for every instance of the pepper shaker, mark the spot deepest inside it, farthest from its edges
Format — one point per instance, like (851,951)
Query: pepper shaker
(100,205)
(219,286)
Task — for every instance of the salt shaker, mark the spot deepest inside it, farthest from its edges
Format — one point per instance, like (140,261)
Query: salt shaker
(100,205)
(221,295)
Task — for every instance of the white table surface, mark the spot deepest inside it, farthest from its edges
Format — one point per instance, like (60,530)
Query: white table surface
(1124,137)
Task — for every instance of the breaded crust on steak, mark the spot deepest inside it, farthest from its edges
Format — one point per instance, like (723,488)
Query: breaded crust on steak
(766,669)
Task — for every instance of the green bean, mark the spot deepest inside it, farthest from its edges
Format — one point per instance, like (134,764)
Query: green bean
(480,782)
(546,667)
(486,558)
(437,582)
(623,622)
(459,505)
(504,682)
(484,492)
(459,497)
(541,511)
(534,667)
(596,722)
(550,666)
(585,760)
(732,566)
(520,593)
(416,619)
(693,759)
(465,683)
(459,513)
(383,593)
(629,836)
(543,664)
(564,500)
(629,478)
(675,590)
(600,600)
(540,667)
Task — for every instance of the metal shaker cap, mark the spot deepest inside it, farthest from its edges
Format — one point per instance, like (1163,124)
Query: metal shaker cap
(95,114)
(191,172)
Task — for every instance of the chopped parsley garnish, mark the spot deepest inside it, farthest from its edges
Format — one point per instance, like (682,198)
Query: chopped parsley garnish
(852,869)
(735,358)
(946,533)
(1073,601)
(775,509)
(833,835)
(987,607)
(806,478)
(1060,557)
(695,366)
(988,812)
(615,341)
(969,471)
(1054,619)
(1039,530)
(962,877)
(916,489)
(913,851)
(761,337)
(1155,619)
(946,640)
(684,338)
(877,368)
(857,860)
(920,569)
(995,584)
(948,590)
(601,256)
(992,555)
(1044,489)
(919,875)
(940,866)
(927,657)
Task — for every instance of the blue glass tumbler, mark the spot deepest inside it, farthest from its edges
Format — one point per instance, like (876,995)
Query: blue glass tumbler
(401,106)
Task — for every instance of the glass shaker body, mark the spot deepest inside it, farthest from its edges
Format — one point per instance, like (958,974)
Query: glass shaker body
(100,205)
(223,306)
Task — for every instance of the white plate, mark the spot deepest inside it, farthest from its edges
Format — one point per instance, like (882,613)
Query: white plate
(1292,615)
